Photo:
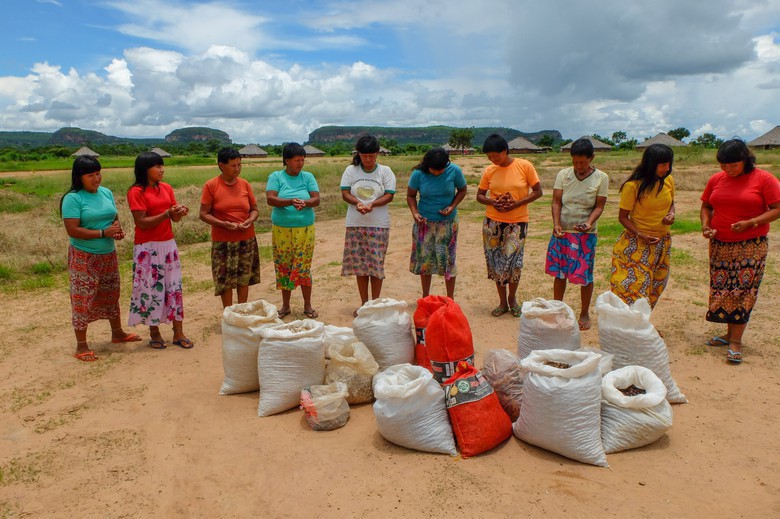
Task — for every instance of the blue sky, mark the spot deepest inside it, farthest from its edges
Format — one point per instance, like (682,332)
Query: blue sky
(273,71)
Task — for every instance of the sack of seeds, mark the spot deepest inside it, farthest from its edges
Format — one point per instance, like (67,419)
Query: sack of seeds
(337,335)
(546,325)
(502,370)
(325,406)
(386,329)
(353,365)
(634,409)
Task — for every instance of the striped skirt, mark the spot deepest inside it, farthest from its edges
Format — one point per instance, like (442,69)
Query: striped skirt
(736,270)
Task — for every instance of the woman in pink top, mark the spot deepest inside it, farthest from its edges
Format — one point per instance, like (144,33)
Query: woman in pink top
(737,207)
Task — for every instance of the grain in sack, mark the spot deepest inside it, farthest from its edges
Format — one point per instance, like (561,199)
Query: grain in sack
(337,335)
(503,372)
(386,329)
(325,406)
(353,365)
(448,340)
(546,325)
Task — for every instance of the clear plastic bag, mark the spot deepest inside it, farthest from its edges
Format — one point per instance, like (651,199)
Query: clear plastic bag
(353,364)
(325,406)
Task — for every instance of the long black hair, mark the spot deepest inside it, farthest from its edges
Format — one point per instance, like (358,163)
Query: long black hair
(645,172)
(83,165)
(735,150)
(435,158)
(143,163)
(365,144)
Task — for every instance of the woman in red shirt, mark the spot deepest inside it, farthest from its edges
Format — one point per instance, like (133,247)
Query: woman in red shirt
(737,207)
(157,292)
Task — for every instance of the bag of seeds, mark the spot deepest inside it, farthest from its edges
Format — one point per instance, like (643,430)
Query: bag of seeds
(325,406)
(337,335)
(425,308)
(386,329)
(502,370)
(634,409)
(546,325)
(448,340)
(353,365)
(561,409)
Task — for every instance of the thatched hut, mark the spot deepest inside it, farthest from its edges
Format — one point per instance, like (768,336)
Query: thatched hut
(311,151)
(85,151)
(253,151)
(458,151)
(597,144)
(769,141)
(523,145)
(661,138)
(161,152)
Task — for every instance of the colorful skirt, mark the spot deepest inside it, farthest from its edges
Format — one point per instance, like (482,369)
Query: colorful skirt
(433,248)
(640,269)
(293,249)
(157,293)
(504,244)
(94,286)
(736,270)
(234,264)
(364,251)
(572,257)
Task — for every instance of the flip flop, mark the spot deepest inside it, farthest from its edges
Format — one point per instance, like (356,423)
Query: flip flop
(184,343)
(311,314)
(130,337)
(584,325)
(517,310)
(86,356)
(718,341)
(735,357)
(499,311)
(157,345)
(283,314)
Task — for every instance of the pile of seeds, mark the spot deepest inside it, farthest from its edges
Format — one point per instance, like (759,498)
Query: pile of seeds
(559,365)
(632,390)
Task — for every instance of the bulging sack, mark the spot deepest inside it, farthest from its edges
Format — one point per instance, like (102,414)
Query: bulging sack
(503,372)
(425,308)
(477,418)
(626,332)
(410,410)
(448,340)
(561,409)
(353,365)
(337,335)
(546,325)
(325,406)
(291,357)
(241,325)
(634,409)
(386,329)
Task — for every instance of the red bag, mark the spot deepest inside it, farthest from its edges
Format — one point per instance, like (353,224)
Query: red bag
(425,307)
(448,340)
(478,420)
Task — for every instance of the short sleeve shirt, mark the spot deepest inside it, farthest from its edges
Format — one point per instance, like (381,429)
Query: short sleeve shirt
(648,213)
(289,186)
(154,201)
(93,211)
(579,196)
(516,179)
(437,191)
(230,204)
(368,187)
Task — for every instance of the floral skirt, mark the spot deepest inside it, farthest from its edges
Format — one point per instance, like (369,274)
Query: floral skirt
(364,251)
(293,249)
(234,264)
(94,286)
(572,257)
(736,270)
(157,293)
(433,248)
(640,269)
(504,244)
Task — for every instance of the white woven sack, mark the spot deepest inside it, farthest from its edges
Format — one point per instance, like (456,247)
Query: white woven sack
(561,408)
(337,335)
(291,357)
(386,329)
(241,325)
(410,410)
(605,362)
(626,332)
(353,365)
(628,422)
(547,325)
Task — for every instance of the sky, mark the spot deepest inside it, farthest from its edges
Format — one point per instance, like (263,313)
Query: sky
(272,71)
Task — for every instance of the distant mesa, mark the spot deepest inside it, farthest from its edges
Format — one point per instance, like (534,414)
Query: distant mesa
(198,134)
(432,135)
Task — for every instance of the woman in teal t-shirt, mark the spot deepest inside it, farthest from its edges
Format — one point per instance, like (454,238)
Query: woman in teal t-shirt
(441,186)
(293,193)
(90,217)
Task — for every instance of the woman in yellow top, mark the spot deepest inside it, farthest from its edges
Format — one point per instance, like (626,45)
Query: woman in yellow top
(640,257)
(513,184)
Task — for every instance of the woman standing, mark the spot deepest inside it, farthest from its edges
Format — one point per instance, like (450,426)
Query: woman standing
(367,187)
(293,194)
(157,292)
(229,206)
(441,186)
(513,184)
(737,207)
(640,257)
(90,217)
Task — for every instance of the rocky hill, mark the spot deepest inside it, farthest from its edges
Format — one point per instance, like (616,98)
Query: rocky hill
(434,135)
(197,134)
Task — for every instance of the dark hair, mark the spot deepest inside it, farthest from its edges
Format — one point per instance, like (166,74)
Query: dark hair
(365,144)
(495,144)
(582,147)
(143,163)
(292,149)
(645,172)
(225,155)
(735,150)
(435,158)
(83,165)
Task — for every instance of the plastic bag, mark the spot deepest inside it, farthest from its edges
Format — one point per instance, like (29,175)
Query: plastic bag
(386,329)
(448,340)
(241,325)
(410,410)
(605,362)
(546,325)
(337,335)
(425,308)
(353,365)
(325,406)
(503,371)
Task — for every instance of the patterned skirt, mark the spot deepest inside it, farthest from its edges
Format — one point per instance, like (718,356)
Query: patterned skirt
(504,244)
(157,293)
(364,252)
(640,269)
(572,257)
(293,250)
(234,264)
(433,248)
(736,270)
(94,286)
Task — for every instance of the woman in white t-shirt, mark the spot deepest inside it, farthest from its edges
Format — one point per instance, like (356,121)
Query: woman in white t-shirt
(367,187)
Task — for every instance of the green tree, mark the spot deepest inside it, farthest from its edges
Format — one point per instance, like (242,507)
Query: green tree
(605,140)
(707,140)
(628,144)
(460,138)
(679,133)
(619,136)
(546,141)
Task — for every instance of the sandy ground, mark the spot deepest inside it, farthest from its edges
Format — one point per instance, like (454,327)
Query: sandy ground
(143,433)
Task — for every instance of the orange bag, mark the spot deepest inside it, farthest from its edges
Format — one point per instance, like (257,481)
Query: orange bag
(448,340)
(478,420)
(425,307)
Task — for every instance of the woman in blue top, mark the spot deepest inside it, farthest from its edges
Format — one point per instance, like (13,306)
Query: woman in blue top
(441,186)
(293,193)
(89,213)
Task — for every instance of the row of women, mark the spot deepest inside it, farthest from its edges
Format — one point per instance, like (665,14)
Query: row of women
(738,205)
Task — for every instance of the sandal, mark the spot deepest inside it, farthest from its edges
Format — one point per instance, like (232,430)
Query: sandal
(718,341)
(735,357)
(157,345)
(584,325)
(499,311)
(86,356)
(517,310)
(283,313)
(130,337)
(311,314)
(184,343)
